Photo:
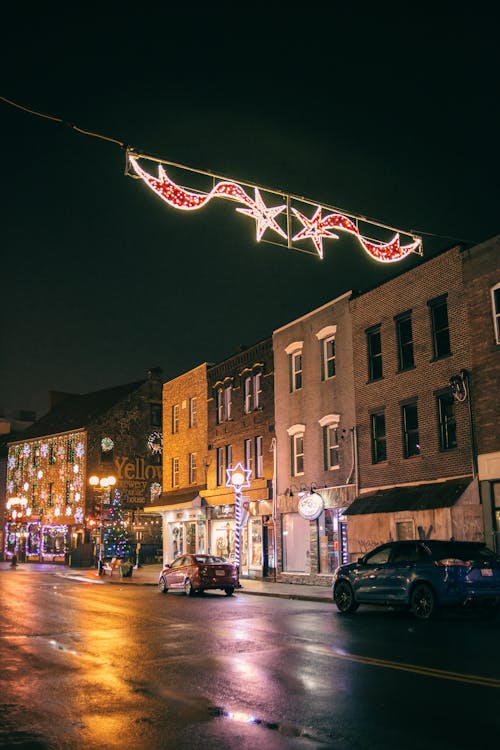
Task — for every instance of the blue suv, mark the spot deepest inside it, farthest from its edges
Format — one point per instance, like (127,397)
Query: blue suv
(423,576)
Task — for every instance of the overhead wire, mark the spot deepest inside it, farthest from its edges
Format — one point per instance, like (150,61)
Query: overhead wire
(124,145)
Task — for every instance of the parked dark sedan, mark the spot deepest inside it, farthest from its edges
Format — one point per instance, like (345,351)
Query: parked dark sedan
(197,573)
(422,576)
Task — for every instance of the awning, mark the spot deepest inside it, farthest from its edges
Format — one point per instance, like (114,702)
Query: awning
(177,501)
(417,497)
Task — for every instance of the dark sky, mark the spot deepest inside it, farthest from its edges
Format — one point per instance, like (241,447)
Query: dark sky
(395,118)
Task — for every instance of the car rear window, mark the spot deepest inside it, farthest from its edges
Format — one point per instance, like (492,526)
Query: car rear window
(463,551)
(209,559)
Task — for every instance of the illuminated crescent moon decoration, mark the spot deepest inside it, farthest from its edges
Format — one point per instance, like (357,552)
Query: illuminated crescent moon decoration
(315,229)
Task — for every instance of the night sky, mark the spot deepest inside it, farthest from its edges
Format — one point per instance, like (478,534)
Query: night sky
(395,118)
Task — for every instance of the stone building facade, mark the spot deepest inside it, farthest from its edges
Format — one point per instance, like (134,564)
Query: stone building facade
(51,513)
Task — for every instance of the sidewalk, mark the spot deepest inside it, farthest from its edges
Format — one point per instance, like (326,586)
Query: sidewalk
(148,575)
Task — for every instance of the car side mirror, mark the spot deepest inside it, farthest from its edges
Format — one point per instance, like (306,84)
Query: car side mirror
(361,560)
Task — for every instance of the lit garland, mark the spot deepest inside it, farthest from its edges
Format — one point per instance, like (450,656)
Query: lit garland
(316,229)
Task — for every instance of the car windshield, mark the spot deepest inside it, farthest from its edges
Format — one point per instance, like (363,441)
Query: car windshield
(209,559)
(464,551)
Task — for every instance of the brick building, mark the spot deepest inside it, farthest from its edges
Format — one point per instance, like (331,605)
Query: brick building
(241,431)
(416,472)
(182,509)
(112,432)
(481,271)
(315,435)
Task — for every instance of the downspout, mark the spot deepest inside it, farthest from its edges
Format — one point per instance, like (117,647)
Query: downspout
(275,536)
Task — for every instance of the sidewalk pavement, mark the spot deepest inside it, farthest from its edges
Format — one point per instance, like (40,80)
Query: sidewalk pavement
(148,575)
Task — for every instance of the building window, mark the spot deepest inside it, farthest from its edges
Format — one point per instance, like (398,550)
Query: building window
(70,452)
(50,495)
(331,447)
(259,459)
(495,303)
(52,454)
(374,348)
(440,327)
(220,467)
(378,439)
(405,341)
(409,414)
(447,423)
(328,358)
(228,402)
(192,468)
(247,395)
(175,418)
(193,412)
(67,496)
(295,361)
(248,453)
(175,472)
(257,390)
(155,415)
(297,454)
(219,406)
(229,456)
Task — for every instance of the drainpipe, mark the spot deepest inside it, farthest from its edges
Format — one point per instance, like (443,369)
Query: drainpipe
(275,536)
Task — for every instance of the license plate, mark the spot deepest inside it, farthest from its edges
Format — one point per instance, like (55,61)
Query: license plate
(486,572)
(220,572)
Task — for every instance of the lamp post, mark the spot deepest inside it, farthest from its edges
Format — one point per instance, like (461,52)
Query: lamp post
(237,478)
(105,484)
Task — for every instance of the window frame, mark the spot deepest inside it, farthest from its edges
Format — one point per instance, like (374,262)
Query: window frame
(405,345)
(248,453)
(193,412)
(297,455)
(193,467)
(247,394)
(219,452)
(259,457)
(495,310)
(376,438)
(175,418)
(374,356)
(411,435)
(447,424)
(175,471)
(435,305)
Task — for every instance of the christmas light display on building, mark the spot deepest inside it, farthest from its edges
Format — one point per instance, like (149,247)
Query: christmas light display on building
(315,228)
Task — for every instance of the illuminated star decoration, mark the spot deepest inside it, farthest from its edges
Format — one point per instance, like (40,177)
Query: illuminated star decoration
(316,229)
(235,471)
(264,216)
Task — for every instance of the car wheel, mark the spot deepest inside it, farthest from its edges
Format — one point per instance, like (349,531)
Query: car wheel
(229,590)
(423,602)
(188,588)
(343,596)
(162,585)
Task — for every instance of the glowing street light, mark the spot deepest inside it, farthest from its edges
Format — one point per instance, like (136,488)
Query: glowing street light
(238,478)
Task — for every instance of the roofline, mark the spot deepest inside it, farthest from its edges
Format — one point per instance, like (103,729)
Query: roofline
(47,435)
(313,312)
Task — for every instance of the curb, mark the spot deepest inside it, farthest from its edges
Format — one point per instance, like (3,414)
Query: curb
(273,594)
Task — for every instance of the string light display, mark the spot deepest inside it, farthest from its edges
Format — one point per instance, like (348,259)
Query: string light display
(45,484)
(316,229)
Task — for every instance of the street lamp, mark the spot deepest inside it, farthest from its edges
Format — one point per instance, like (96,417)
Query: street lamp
(237,478)
(105,484)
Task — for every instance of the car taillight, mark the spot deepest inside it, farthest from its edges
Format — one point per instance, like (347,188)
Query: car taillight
(449,561)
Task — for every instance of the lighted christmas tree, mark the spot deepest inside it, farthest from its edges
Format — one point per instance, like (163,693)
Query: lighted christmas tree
(116,538)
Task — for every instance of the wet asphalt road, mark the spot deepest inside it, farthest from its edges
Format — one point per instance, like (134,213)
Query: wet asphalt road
(92,666)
